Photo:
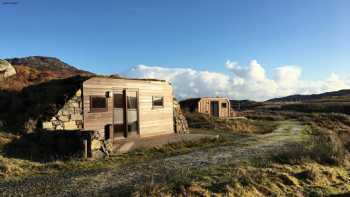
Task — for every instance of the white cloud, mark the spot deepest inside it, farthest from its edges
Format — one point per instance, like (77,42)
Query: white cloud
(287,78)
(334,83)
(249,82)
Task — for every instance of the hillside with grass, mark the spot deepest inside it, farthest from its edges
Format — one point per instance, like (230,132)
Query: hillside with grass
(298,156)
(39,88)
(330,102)
(38,69)
(341,95)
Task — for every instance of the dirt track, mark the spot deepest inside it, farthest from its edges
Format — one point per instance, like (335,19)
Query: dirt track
(112,180)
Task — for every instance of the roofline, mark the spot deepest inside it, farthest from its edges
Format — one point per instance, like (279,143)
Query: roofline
(135,79)
(207,97)
(218,97)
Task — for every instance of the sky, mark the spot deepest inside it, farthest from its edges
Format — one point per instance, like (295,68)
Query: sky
(244,49)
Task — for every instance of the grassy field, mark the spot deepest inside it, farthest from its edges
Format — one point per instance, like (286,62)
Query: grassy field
(282,155)
(247,179)
(13,168)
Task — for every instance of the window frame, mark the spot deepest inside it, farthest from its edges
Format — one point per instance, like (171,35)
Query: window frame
(157,106)
(96,110)
(222,105)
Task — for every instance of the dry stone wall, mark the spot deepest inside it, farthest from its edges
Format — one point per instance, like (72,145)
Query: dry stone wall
(180,122)
(69,117)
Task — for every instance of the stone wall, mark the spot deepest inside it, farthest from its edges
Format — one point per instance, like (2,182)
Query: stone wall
(70,117)
(180,122)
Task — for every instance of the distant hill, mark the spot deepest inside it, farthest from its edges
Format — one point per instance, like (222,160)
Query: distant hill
(52,64)
(337,95)
(38,69)
(241,105)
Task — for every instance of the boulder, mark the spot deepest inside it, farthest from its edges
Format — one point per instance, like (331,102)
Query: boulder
(6,69)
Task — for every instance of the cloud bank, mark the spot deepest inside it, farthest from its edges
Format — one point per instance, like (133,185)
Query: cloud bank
(240,82)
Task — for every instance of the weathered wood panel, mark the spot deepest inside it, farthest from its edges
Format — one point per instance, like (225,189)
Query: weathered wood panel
(152,121)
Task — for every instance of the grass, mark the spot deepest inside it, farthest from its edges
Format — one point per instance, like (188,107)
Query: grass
(17,168)
(247,180)
(316,168)
(242,125)
(313,169)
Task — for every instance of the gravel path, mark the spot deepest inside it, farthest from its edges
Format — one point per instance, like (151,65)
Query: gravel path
(105,181)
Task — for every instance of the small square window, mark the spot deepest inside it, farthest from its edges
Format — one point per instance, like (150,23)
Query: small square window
(98,104)
(157,101)
(223,105)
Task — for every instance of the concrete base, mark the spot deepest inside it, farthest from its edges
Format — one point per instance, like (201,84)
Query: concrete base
(126,145)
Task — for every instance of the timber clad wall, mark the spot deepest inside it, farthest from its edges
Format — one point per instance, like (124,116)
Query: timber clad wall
(152,121)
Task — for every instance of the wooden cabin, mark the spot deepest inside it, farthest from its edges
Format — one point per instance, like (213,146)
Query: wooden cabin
(214,106)
(122,108)
(117,108)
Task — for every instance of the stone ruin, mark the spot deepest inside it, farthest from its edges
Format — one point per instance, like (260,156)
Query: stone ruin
(70,117)
(6,70)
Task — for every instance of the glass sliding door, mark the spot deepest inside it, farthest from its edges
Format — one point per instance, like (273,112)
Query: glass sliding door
(125,113)
(132,112)
(119,115)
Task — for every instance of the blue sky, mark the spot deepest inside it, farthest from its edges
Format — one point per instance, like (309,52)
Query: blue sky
(112,36)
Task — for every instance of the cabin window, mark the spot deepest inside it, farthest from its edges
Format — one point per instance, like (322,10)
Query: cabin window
(223,105)
(98,104)
(157,101)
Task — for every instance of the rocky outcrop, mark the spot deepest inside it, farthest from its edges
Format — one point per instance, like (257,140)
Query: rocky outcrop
(6,69)
(180,122)
(70,117)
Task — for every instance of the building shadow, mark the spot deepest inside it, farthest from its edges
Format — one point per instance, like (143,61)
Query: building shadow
(46,146)
(24,111)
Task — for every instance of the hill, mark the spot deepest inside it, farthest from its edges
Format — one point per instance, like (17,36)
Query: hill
(341,94)
(242,105)
(38,69)
(329,102)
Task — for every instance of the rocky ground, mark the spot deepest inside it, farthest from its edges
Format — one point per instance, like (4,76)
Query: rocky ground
(116,179)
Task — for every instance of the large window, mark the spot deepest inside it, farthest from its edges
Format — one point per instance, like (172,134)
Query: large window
(157,101)
(98,104)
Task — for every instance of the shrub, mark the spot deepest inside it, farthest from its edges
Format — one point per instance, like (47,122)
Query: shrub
(324,148)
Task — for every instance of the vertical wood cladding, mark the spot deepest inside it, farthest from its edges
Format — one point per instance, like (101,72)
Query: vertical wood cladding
(152,120)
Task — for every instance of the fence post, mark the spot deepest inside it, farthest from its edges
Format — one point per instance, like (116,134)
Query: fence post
(85,149)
